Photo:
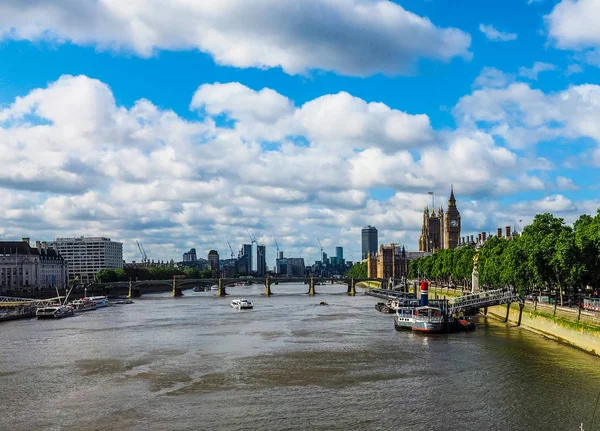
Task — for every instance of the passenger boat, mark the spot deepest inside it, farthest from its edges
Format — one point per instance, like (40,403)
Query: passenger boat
(428,319)
(404,318)
(83,304)
(201,289)
(242,304)
(54,312)
(101,301)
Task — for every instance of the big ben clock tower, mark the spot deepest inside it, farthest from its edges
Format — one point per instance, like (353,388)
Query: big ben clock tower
(451,223)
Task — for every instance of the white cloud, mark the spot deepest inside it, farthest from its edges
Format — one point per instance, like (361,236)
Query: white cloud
(524,116)
(552,204)
(563,183)
(351,37)
(574,68)
(493,78)
(493,34)
(78,163)
(574,24)
(536,69)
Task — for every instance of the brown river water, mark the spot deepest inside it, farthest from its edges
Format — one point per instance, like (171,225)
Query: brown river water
(193,363)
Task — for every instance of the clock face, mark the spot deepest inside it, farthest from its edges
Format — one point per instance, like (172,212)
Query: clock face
(453,223)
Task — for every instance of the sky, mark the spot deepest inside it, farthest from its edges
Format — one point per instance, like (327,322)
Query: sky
(183,124)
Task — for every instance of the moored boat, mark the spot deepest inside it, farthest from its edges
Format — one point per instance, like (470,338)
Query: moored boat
(12,312)
(242,304)
(101,301)
(404,318)
(54,312)
(428,319)
(83,304)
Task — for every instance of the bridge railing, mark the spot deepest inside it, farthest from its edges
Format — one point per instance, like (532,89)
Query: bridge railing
(483,299)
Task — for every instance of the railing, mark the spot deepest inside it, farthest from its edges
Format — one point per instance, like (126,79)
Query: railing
(7,300)
(483,299)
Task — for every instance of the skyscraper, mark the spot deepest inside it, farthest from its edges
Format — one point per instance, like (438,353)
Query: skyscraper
(261,260)
(339,255)
(369,241)
(213,258)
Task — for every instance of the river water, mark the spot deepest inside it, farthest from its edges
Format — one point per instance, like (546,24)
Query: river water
(193,363)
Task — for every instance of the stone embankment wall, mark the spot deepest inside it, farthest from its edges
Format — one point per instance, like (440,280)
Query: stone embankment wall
(560,324)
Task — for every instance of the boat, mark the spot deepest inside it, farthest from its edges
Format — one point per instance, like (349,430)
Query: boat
(428,319)
(124,301)
(101,301)
(404,318)
(201,289)
(84,304)
(54,312)
(242,304)
(383,308)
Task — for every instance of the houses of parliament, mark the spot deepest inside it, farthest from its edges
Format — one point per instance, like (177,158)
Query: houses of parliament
(440,230)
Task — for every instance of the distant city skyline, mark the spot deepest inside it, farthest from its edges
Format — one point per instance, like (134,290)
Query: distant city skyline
(297,126)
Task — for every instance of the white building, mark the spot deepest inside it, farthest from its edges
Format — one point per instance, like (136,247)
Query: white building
(86,256)
(24,269)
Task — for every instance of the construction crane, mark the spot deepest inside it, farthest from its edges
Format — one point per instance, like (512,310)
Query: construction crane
(277,247)
(252,238)
(142,252)
(230,249)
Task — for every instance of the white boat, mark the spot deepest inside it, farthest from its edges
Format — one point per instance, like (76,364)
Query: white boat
(404,318)
(242,304)
(101,301)
(54,312)
(83,304)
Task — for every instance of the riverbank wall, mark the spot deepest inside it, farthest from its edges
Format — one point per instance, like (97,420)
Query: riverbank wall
(559,324)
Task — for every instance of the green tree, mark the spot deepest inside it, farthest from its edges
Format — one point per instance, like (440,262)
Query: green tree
(358,270)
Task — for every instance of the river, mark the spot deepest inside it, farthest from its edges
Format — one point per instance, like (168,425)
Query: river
(193,363)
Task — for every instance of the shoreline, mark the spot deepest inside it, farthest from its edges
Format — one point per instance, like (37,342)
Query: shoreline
(573,333)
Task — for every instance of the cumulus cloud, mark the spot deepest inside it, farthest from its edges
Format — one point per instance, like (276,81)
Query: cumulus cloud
(524,116)
(78,163)
(536,69)
(351,37)
(493,78)
(495,35)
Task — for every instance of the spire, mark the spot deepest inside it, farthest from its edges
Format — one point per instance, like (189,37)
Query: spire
(452,200)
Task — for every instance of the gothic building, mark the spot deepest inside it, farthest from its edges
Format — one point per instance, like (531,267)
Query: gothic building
(440,230)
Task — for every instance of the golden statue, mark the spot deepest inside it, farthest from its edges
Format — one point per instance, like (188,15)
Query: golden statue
(475,259)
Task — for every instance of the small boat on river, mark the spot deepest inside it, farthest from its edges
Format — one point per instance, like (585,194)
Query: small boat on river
(242,304)
(84,304)
(428,319)
(101,301)
(54,312)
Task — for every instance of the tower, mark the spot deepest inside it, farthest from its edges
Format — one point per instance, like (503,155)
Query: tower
(451,223)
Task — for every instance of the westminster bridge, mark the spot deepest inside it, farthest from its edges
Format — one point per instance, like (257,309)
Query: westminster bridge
(136,288)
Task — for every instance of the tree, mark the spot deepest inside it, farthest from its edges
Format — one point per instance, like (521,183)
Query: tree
(358,270)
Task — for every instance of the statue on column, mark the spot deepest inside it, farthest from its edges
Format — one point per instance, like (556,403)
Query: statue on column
(475,275)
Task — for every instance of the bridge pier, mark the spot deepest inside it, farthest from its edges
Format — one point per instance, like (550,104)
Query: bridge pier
(352,288)
(221,291)
(507,312)
(176,292)
(267,287)
(133,292)
(311,287)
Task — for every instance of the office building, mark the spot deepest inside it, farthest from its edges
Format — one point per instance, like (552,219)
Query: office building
(190,256)
(24,269)
(369,241)
(261,260)
(213,259)
(339,255)
(85,256)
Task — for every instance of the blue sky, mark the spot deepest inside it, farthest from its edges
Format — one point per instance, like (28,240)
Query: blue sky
(114,114)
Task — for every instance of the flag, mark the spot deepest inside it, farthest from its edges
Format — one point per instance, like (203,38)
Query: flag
(429,193)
